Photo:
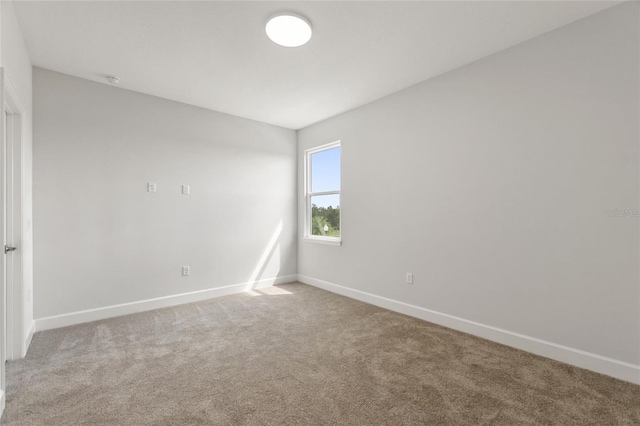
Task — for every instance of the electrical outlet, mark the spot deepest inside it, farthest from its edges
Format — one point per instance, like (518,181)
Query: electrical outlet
(186,271)
(151,187)
(186,190)
(409,278)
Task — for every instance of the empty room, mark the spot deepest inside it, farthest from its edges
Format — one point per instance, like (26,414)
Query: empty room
(320,212)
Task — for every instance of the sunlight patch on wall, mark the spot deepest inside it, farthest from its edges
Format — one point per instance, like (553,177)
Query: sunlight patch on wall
(269,263)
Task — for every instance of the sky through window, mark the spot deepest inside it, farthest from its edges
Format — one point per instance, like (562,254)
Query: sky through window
(325,176)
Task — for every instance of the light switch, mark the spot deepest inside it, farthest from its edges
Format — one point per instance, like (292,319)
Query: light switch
(185,190)
(409,278)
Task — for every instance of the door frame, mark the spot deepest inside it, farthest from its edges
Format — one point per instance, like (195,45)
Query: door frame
(3,293)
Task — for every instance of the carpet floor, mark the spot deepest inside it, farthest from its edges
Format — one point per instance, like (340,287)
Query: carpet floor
(297,355)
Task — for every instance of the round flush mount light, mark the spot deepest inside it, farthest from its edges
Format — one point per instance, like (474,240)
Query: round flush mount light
(112,79)
(288,30)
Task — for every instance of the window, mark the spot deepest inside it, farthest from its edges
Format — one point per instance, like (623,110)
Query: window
(322,193)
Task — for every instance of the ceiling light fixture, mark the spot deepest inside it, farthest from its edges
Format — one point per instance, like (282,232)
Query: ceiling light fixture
(288,30)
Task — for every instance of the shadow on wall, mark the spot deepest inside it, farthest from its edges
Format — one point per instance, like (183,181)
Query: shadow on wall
(269,263)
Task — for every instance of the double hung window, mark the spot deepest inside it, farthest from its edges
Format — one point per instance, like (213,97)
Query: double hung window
(322,193)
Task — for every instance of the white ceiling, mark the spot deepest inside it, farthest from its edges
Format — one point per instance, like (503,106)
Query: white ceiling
(215,54)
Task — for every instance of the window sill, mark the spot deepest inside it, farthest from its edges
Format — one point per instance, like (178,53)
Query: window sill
(326,241)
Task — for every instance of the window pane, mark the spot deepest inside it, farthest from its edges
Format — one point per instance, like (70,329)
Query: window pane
(325,215)
(325,170)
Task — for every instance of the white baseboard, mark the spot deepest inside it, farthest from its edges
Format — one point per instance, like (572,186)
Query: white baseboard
(3,401)
(600,364)
(27,343)
(89,315)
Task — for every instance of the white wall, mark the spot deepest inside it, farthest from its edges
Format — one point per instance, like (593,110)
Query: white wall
(102,240)
(491,184)
(17,67)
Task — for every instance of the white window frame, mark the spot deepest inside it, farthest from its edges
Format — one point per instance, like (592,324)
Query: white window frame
(308,194)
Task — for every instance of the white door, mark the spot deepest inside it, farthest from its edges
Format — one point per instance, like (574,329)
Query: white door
(12,342)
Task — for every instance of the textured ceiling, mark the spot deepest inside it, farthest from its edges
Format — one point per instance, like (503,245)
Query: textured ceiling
(215,54)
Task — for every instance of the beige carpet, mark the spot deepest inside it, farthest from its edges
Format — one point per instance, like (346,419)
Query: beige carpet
(296,355)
